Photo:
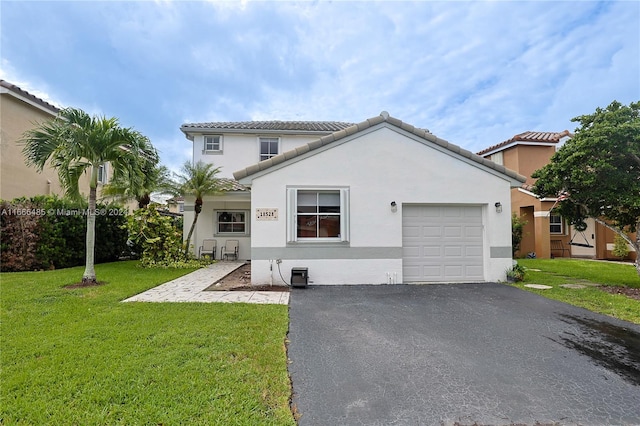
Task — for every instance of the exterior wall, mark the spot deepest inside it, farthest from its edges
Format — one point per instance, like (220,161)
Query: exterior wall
(16,179)
(532,158)
(206,227)
(242,150)
(380,165)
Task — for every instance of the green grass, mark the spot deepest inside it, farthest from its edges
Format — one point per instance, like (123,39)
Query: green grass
(80,357)
(555,272)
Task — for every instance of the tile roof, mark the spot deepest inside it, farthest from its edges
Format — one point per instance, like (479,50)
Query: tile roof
(287,126)
(529,136)
(232,185)
(29,96)
(383,117)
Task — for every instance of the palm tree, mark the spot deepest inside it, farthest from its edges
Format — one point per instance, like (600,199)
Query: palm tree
(198,180)
(155,178)
(75,143)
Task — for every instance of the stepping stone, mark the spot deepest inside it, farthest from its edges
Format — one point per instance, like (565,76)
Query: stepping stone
(574,286)
(538,286)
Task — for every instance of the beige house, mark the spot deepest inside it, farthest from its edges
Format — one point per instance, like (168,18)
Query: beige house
(546,233)
(21,111)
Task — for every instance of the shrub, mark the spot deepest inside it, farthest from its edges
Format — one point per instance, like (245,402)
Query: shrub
(516,273)
(620,247)
(159,240)
(53,233)
(517,227)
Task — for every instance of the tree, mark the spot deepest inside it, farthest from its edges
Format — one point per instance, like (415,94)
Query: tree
(75,143)
(597,173)
(155,179)
(197,180)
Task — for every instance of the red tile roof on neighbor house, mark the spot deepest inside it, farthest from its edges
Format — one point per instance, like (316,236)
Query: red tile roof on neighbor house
(20,92)
(529,136)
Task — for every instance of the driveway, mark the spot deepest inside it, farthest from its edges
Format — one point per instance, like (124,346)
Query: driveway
(467,354)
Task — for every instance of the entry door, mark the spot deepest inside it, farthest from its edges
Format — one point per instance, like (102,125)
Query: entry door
(442,243)
(585,238)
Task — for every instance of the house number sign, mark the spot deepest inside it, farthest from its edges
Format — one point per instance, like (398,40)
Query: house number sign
(266,214)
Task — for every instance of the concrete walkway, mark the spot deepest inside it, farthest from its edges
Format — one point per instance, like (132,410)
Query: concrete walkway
(190,288)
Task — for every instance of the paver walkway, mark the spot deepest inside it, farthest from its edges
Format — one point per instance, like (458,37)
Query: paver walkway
(190,288)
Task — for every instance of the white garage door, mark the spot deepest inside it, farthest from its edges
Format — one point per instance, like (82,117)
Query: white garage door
(442,243)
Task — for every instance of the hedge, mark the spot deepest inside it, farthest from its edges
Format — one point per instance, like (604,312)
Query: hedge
(47,232)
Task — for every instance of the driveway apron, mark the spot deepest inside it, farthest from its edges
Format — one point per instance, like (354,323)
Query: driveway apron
(467,354)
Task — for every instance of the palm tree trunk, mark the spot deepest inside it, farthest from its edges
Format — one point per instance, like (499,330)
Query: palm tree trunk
(193,226)
(89,276)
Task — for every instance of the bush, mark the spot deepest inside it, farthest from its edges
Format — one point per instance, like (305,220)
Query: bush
(158,240)
(47,232)
(620,247)
(516,273)
(517,227)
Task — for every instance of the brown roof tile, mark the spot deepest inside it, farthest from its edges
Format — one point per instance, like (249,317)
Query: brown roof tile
(529,136)
(32,98)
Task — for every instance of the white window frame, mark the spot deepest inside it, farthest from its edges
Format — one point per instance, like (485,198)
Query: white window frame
(216,217)
(262,157)
(103,176)
(292,215)
(213,144)
(560,222)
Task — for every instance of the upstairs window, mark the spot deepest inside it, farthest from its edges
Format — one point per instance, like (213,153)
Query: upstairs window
(269,147)
(555,224)
(497,158)
(212,143)
(102,173)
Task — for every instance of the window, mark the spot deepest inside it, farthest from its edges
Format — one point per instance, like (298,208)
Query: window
(318,215)
(268,148)
(497,158)
(102,173)
(181,207)
(231,222)
(555,224)
(212,143)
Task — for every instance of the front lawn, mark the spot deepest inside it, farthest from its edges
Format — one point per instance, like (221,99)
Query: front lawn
(72,357)
(591,274)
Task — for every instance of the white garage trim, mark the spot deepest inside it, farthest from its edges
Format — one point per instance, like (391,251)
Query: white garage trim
(442,243)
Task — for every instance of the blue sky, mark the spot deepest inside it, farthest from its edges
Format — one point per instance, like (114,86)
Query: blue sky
(473,73)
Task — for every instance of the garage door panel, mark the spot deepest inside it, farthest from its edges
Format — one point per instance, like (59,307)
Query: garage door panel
(448,247)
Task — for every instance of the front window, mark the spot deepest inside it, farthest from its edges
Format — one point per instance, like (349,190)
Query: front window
(555,224)
(231,222)
(318,215)
(213,143)
(268,148)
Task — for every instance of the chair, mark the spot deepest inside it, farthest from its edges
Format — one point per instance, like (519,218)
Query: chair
(208,248)
(557,246)
(230,249)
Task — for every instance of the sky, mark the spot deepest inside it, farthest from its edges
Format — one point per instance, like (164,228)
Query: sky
(473,73)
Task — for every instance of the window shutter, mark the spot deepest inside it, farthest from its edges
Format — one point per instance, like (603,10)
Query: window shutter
(344,214)
(292,195)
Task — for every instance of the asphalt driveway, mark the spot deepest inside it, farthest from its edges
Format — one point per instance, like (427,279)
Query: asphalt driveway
(468,354)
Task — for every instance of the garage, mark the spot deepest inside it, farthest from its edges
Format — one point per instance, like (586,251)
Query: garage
(442,243)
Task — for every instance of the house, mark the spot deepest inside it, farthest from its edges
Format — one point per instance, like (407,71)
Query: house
(20,112)
(371,203)
(546,234)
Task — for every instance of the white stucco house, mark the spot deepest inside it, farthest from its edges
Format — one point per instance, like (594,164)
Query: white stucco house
(378,202)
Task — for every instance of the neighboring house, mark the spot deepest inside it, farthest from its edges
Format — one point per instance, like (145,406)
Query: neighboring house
(546,234)
(176,205)
(373,203)
(21,111)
